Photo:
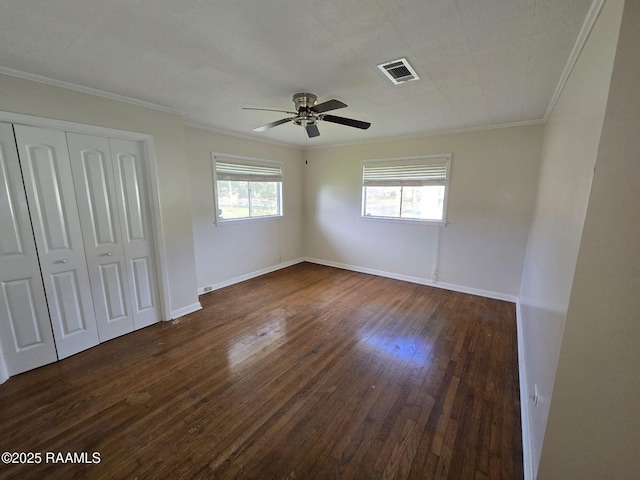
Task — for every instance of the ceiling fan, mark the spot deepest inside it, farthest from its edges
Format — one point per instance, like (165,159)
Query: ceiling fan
(309,112)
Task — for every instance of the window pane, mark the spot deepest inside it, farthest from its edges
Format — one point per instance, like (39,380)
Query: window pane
(424,203)
(233,199)
(409,188)
(265,199)
(382,201)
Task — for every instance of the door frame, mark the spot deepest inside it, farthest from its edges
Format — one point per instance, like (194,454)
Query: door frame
(152,181)
(4,373)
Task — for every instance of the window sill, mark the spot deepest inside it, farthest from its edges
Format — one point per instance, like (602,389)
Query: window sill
(237,221)
(406,221)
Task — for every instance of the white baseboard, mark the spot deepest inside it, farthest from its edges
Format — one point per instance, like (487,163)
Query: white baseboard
(418,280)
(181,312)
(527,456)
(247,276)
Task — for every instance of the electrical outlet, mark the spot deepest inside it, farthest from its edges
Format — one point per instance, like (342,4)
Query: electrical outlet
(208,288)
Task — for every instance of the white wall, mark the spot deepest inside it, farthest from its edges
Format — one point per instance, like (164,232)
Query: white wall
(490,204)
(593,430)
(230,251)
(571,138)
(31,98)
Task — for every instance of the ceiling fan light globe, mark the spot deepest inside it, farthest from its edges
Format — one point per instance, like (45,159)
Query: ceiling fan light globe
(305,119)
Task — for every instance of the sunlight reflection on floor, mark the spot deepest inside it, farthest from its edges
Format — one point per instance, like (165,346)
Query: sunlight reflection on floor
(256,341)
(405,349)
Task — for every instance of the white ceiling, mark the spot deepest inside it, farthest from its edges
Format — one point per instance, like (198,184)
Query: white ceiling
(481,62)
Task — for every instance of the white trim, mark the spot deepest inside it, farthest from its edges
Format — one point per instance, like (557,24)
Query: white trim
(247,276)
(587,26)
(66,126)
(4,372)
(527,453)
(238,221)
(156,224)
(425,134)
(181,312)
(406,221)
(245,136)
(418,280)
(436,255)
(88,90)
(154,194)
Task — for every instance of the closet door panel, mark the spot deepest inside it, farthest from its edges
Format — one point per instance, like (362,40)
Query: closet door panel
(21,314)
(67,304)
(25,329)
(133,205)
(142,274)
(49,186)
(101,230)
(50,202)
(115,295)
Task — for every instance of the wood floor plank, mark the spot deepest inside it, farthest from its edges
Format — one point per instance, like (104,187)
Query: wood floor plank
(309,372)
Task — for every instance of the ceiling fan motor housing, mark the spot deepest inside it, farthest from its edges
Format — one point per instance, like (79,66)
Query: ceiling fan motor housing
(303,102)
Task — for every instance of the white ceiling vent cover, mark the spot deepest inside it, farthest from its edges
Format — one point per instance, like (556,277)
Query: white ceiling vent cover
(399,71)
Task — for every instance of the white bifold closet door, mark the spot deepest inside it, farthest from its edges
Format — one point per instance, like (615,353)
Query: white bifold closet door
(114,214)
(100,222)
(137,238)
(54,211)
(89,210)
(25,328)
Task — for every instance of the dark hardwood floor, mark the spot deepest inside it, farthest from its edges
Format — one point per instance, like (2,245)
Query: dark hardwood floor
(309,372)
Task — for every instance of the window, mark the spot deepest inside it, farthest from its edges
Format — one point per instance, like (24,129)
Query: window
(247,188)
(412,188)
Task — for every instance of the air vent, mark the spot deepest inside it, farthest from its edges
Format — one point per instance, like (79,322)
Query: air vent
(399,71)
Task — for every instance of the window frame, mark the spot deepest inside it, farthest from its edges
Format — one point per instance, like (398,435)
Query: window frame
(250,161)
(419,159)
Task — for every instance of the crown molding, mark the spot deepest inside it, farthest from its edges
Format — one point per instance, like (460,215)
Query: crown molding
(587,26)
(88,90)
(244,136)
(431,134)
